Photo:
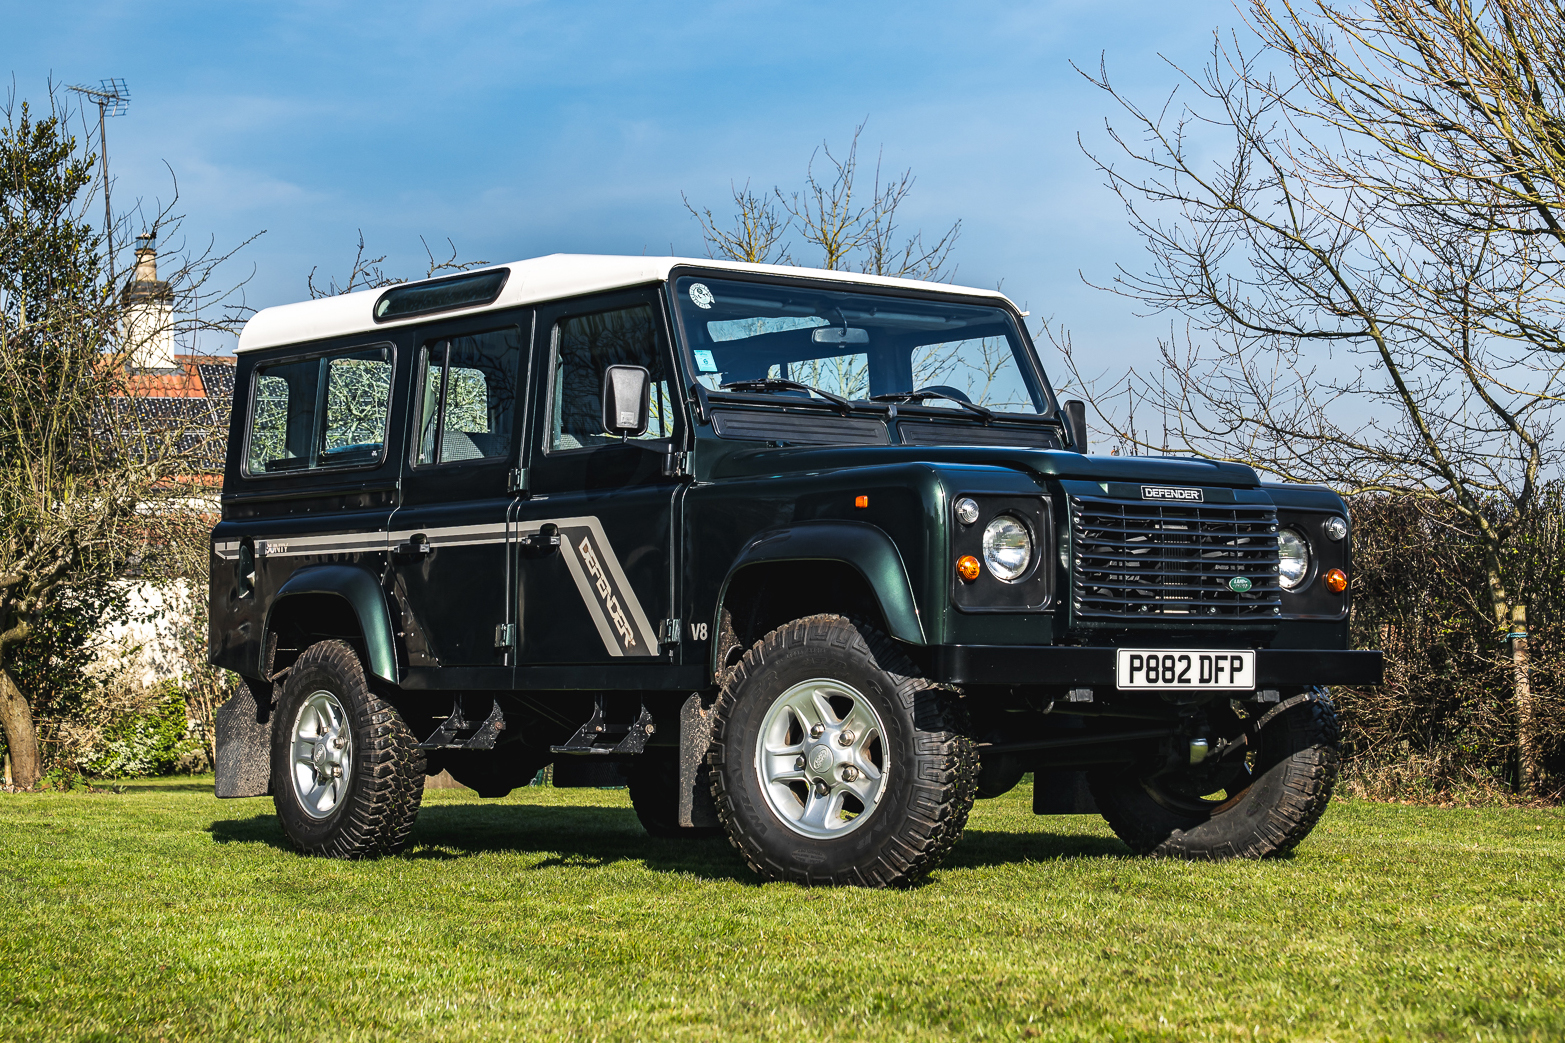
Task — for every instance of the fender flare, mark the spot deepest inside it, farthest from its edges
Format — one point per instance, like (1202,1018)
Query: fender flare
(864,547)
(362,592)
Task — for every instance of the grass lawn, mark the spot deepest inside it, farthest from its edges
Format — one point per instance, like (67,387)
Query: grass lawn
(161,913)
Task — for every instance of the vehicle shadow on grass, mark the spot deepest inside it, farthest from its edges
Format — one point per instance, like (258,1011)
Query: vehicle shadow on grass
(594,837)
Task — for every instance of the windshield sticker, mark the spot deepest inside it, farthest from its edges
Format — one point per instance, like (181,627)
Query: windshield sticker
(705,363)
(700,296)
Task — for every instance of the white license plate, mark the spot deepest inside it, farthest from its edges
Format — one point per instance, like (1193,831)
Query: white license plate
(1172,668)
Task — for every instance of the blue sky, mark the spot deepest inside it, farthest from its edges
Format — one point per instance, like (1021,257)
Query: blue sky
(523,128)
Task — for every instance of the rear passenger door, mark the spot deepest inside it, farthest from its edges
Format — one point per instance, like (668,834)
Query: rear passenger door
(449,549)
(599,595)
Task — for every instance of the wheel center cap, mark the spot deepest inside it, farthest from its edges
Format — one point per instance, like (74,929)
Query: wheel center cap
(322,756)
(821,759)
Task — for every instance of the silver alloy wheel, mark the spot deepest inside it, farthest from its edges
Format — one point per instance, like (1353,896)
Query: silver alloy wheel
(322,754)
(821,759)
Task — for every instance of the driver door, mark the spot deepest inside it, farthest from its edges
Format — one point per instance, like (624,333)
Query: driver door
(595,534)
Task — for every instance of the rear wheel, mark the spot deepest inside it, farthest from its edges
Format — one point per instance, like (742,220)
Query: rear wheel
(834,762)
(1260,800)
(347,775)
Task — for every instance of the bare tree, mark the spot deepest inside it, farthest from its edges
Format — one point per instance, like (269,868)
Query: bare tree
(86,467)
(1369,279)
(831,214)
(366,273)
(756,235)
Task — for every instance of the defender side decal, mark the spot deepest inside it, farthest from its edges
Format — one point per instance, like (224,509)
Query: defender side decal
(601,581)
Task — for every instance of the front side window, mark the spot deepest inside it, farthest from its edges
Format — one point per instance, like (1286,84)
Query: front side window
(467,408)
(328,411)
(584,347)
(856,344)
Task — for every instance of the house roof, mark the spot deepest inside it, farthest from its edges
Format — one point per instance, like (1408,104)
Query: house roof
(531,281)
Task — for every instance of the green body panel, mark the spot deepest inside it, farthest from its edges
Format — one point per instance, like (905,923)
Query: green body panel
(864,547)
(363,595)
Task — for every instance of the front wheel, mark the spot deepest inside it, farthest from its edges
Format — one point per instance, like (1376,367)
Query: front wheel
(833,762)
(347,775)
(1259,802)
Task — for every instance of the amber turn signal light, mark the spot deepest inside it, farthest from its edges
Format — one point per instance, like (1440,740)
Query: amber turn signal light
(861,501)
(1336,581)
(968,568)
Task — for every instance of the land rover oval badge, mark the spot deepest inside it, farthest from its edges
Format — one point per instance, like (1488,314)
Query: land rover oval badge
(1239,584)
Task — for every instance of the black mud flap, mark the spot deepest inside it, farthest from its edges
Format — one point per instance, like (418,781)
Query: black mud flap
(1062,793)
(695,783)
(244,742)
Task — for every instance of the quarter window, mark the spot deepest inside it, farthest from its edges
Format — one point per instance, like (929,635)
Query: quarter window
(467,410)
(320,412)
(584,348)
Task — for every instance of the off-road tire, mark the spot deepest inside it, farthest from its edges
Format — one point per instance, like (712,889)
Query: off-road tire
(1295,772)
(931,761)
(375,816)
(654,793)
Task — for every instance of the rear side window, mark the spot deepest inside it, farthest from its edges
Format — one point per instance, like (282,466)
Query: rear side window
(467,410)
(328,411)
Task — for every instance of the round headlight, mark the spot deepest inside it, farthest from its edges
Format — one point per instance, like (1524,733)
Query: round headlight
(1336,528)
(1007,548)
(1293,559)
(966,510)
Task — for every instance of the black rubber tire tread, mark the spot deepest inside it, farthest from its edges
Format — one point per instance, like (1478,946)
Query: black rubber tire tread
(654,793)
(382,804)
(1299,755)
(940,771)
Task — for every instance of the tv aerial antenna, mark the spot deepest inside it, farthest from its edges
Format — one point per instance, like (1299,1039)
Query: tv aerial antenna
(112,98)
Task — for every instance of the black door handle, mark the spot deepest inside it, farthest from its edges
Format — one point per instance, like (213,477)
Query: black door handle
(417,546)
(546,539)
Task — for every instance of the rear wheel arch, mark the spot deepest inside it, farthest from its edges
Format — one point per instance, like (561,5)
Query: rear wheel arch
(331,602)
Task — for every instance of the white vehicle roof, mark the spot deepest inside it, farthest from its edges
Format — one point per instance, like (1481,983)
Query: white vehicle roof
(531,281)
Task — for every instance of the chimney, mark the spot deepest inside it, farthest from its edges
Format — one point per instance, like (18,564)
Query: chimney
(149,311)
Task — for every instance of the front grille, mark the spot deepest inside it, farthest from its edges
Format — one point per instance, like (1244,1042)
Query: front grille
(1136,560)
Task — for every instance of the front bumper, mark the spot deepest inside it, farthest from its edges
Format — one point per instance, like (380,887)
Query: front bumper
(1094,667)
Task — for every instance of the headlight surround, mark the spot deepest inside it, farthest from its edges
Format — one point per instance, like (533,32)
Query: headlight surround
(1293,559)
(1007,547)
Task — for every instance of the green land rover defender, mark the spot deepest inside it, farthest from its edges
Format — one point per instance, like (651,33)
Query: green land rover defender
(808,558)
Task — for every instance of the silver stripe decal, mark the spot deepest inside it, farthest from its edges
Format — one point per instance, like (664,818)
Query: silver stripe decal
(600,579)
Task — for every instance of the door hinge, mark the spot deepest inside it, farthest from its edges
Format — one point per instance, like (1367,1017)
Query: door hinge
(668,632)
(516,481)
(505,635)
(676,465)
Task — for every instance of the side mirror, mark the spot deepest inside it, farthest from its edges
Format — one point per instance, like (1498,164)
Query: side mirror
(1076,420)
(627,395)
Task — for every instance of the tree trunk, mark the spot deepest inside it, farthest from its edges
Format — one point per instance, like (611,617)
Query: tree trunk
(21,738)
(1529,756)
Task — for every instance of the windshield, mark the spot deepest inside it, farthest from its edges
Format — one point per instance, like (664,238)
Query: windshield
(856,344)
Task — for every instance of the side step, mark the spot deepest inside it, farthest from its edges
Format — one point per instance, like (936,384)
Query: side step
(598,735)
(445,737)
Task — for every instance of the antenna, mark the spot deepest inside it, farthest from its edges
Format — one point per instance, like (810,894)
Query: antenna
(1163,394)
(112,98)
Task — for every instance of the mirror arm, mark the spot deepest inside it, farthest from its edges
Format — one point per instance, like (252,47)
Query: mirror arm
(703,403)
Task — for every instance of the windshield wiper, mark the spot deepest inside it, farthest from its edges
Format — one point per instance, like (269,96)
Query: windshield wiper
(925,396)
(778,384)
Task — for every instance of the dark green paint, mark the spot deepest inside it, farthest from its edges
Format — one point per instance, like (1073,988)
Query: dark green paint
(362,594)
